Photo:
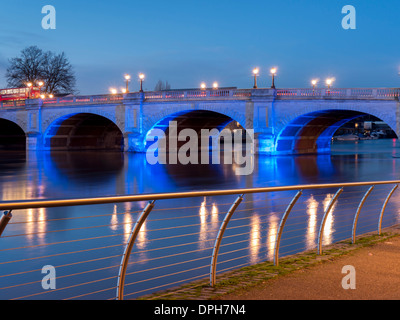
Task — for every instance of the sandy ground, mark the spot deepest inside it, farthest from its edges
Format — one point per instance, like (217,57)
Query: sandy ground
(377,277)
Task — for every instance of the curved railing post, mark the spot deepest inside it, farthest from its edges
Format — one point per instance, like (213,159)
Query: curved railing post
(358,213)
(384,207)
(6,217)
(217,244)
(128,249)
(327,211)
(282,225)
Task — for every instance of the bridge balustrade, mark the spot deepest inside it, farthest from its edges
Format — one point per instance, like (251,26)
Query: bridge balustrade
(340,93)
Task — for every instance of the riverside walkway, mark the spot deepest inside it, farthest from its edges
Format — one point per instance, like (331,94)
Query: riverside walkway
(307,276)
(377,277)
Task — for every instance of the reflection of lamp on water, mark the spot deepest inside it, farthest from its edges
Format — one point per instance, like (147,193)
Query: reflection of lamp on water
(328,230)
(255,237)
(312,209)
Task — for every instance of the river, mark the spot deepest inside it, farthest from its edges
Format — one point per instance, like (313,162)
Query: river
(88,268)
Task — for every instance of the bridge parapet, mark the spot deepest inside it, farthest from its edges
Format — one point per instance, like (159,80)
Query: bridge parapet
(76,100)
(227,93)
(340,93)
(212,94)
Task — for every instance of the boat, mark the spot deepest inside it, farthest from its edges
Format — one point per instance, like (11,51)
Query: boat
(347,137)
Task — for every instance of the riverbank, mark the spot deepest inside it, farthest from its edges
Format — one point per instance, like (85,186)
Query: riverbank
(308,275)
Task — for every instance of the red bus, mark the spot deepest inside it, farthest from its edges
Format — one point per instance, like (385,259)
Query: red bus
(13,94)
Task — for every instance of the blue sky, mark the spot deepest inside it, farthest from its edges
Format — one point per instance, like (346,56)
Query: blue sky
(187,42)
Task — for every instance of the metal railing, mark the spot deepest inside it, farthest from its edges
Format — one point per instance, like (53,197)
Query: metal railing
(159,245)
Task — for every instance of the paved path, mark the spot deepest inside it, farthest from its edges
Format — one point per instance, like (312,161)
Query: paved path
(377,277)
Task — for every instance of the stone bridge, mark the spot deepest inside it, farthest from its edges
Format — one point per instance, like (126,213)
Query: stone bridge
(285,121)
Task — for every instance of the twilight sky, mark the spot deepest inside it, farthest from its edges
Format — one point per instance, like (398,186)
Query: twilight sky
(187,42)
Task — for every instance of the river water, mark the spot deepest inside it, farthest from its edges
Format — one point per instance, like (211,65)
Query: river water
(85,244)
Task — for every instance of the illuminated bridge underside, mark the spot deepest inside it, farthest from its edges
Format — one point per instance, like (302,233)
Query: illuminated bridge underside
(313,132)
(83,131)
(196,120)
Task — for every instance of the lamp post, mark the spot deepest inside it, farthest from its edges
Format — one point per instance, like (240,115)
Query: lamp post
(127,79)
(141,78)
(256,71)
(215,85)
(203,86)
(329,82)
(273,74)
(40,84)
(314,84)
(113,91)
(29,85)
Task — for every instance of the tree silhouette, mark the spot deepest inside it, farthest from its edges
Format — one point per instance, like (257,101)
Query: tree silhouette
(162,86)
(35,65)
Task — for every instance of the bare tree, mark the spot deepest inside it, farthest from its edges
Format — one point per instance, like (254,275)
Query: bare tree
(34,64)
(162,86)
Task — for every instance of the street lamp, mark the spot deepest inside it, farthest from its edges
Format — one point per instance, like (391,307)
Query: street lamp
(29,85)
(141,78)
(329,82)
(40,84)
(203,86)
(113,91)
(314,83)
(256,71)
(273,74)
(215,85)
(127,79)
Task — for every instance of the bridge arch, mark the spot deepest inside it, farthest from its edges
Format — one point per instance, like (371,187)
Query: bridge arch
(12,135)
(197,120)
(83,131)
(151,121)
(312,132)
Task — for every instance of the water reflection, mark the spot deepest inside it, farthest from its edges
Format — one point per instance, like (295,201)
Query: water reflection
(208,229)
(114,219)
(272,234)
(330,219)
(63,175)
(36,226)
(255,237)
(311,233)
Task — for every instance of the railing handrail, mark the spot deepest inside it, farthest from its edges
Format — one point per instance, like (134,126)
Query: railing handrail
(29,204)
